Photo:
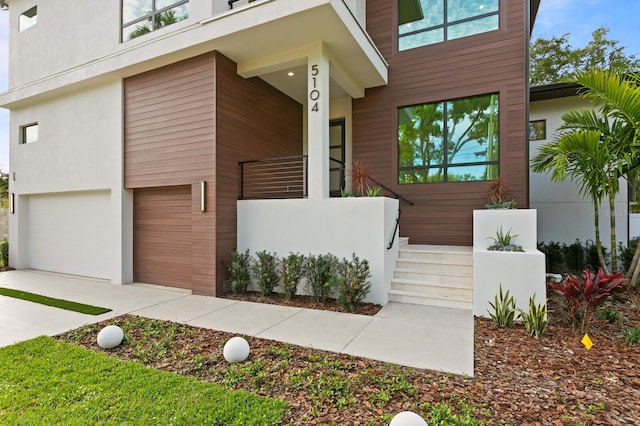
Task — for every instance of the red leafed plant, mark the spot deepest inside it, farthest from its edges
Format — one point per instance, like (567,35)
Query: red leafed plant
(359,177)
(584,296)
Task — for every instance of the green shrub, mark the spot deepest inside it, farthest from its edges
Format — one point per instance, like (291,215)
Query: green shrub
(266,272)
(609,314)
(504,309)
(4,253)
(625,254)
(292,269)
(591,260)
(321,273)
(354,284)
(553,256)
(632,335)
(574,257)
(535,321)
(240,271)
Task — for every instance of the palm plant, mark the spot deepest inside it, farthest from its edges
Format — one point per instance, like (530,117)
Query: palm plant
(618,97)
(597,147)
(580,156)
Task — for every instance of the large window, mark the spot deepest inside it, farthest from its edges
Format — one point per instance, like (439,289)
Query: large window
(423,22)
(140,17)
(449,141)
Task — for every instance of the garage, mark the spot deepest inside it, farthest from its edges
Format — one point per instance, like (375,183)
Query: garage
(162,238)
(70,232)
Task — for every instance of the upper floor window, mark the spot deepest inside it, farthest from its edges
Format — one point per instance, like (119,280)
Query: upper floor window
(423,22)
(28,19)
(29,133)
(140,17)
(449,141)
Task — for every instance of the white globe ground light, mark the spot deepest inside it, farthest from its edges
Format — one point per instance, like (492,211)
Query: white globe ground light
(236,350)
(110,337)
(407,418)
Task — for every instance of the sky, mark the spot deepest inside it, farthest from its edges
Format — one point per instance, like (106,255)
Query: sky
(579,18)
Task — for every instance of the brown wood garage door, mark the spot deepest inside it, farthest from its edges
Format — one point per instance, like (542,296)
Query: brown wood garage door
(162,236)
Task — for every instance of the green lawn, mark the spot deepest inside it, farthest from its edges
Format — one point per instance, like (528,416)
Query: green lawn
(51,301)
(45,381)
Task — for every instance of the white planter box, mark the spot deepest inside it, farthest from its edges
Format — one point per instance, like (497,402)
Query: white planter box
(522,274)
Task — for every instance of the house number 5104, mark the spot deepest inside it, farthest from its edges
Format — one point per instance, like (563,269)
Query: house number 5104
(314,94)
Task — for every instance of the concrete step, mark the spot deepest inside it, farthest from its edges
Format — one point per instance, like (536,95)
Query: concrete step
(443,254)
(418,299)
(445,291)
(403,242)
(436,267)
(429,277)
(439,276)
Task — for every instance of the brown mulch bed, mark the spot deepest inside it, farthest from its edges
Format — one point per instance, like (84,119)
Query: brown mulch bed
(518,380)
(302,302)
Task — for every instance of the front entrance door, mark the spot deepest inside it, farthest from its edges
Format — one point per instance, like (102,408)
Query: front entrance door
(336,156)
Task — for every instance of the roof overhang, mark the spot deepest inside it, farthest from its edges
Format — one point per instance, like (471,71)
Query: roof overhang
(285,32)
(265,38)
(534,5)
(553,91)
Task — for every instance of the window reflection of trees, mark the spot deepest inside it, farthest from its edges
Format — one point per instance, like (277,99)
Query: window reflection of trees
(449,141)
(144,16)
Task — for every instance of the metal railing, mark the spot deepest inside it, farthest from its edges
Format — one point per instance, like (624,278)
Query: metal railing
(280,177)
(286,177)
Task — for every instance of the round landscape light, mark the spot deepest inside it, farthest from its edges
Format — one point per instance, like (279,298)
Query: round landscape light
(110,337)
(236,350)
(407,418)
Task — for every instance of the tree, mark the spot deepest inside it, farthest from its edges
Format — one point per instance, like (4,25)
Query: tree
(4,188)
(554,60)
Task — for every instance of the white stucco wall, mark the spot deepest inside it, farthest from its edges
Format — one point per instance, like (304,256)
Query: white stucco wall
(634,225)
(520,273)
(564,215)
(66,37)
(78,154)
(340,226)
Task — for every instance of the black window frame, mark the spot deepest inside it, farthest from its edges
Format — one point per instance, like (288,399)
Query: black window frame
(149,16)
(445,26)
(30,13)
(22,138)
(533,135)
(445,165)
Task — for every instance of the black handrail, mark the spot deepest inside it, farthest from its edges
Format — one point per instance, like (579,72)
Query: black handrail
(386,188)
(395,230)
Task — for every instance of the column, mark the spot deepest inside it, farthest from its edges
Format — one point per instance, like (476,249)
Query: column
(318,123)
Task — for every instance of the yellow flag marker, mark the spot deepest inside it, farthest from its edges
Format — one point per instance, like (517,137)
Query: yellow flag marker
(586,341)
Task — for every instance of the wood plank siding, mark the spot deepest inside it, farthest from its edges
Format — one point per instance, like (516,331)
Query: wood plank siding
(162,239)
(254,121)
(193,121)
(486,63)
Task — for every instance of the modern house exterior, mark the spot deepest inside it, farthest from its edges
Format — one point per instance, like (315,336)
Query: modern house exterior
(563,214)
(151,138)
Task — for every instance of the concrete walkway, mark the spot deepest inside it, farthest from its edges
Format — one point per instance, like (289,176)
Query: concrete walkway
(438,339)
